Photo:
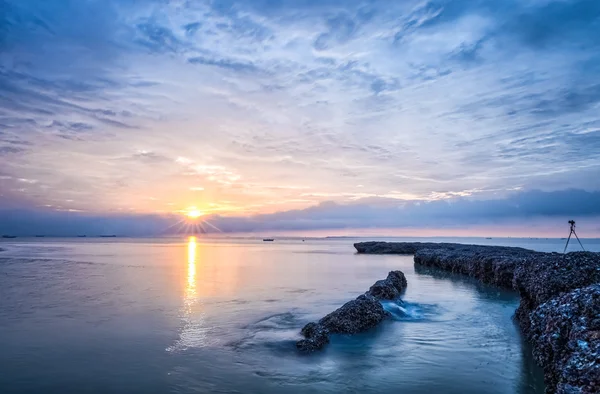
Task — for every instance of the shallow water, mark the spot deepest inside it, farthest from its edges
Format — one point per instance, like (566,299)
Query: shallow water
(182,316)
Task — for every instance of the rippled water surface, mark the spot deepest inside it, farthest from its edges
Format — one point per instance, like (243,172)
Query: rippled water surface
(193,315)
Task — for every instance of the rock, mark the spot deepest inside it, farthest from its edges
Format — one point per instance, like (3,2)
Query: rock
(490,264)
(316,337)
(359,315)
(374,247)
(354,316)
(549,274)
(389,288)
(559,310)
(565,333)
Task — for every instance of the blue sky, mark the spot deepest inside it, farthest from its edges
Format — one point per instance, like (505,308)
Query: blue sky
(245,108)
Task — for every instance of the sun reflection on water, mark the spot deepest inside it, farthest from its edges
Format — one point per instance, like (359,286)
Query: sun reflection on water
(193,332)
(191,271)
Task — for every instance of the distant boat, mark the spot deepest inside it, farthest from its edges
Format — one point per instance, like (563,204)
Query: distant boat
(268,239)
(9,236)
(40,236)
(108,236)
(489,238)
(82,236)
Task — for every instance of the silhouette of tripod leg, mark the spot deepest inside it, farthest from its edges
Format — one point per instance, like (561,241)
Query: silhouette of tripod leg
(568,239)
(579,241)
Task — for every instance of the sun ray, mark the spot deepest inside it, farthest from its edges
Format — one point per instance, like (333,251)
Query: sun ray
(213,226)
(173,225)
(192,222)
(196,228)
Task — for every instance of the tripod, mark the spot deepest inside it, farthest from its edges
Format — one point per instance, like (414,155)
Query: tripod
(572,223)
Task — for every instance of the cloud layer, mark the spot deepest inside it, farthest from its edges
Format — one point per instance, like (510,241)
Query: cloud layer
(253,107)
(536,212)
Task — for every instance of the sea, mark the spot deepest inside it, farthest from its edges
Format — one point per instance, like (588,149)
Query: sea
(192,314)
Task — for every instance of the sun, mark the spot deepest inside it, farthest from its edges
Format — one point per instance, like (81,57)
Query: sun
(194,213)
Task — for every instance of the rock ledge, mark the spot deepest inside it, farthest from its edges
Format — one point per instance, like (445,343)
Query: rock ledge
(355,316)
(559,310)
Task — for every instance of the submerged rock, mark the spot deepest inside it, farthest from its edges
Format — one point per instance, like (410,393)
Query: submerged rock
(355,316)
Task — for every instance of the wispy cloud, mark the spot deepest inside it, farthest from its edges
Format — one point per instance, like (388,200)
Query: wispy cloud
(413,100)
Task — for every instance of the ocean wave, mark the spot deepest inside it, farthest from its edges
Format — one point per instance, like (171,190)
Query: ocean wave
(277,332)
(403,311)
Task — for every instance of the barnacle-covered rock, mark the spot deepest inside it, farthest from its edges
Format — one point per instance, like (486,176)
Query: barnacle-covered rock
(559,310)
(565,333)
(355,316)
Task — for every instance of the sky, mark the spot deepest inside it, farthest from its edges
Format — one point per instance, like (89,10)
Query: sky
(299,115)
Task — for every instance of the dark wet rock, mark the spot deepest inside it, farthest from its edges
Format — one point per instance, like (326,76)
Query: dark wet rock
(565,332)
(316,337)
(375,247)
(359,315)
(490,264)
(389,288)
(354,316)
(559,310)
(550,274)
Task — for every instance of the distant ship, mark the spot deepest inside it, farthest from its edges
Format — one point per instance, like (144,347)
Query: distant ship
(9,236)
(489,238)
(82,236)
(40,236)
(268,239)
(108,236)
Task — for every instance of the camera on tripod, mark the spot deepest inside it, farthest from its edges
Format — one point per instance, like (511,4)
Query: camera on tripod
(572,232)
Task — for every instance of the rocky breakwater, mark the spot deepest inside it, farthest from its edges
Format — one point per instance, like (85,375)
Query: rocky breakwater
(355,316)
(490,264)
(375,247)
(565,332)
(559,311)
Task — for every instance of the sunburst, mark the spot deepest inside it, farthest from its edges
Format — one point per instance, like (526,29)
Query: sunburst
(193,221)
(194,213)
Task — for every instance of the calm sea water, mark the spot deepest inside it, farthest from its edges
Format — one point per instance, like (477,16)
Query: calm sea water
(195,315)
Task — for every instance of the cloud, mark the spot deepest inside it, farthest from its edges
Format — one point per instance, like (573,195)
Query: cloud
(223,63)
(7,150)
(515,209)
(559,23)
(149,156)
(412,100)
(520,210)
